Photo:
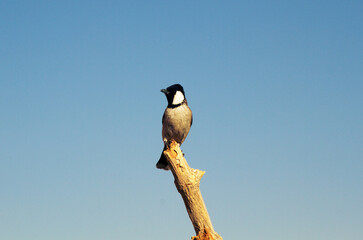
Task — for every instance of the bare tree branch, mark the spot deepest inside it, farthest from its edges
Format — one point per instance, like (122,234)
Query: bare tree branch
(187,181)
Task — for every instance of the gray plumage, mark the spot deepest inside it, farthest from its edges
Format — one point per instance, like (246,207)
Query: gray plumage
(177,120)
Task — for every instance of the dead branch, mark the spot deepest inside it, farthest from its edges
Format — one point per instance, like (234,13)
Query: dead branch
(187,181)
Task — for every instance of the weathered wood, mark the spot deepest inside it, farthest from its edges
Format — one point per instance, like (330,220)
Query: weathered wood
(187,181)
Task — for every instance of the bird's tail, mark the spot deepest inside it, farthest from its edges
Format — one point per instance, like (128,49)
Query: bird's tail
(163,163)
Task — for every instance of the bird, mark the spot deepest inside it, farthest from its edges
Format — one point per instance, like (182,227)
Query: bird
(176,121)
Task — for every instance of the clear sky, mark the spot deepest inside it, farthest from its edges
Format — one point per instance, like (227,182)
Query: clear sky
(276,89)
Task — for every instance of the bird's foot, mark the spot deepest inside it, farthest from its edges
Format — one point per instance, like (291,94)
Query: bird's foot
(167,144)
(171,144)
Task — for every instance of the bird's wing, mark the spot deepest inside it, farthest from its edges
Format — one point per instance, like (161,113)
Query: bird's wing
(162,121)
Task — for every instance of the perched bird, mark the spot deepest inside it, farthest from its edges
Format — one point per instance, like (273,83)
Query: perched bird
(177,120)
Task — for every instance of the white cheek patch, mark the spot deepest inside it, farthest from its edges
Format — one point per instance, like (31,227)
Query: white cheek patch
(178,98)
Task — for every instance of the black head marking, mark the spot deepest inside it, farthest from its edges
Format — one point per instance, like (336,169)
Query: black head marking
(170,92)
(173,89)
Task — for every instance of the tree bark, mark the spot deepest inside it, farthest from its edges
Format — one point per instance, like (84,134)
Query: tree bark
(187,181)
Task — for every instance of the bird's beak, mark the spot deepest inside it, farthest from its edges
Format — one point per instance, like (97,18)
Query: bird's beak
(164,91)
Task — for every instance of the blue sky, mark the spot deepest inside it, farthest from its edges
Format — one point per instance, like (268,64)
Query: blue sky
(276,91)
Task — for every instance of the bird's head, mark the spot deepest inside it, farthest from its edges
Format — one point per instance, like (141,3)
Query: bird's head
(174,94)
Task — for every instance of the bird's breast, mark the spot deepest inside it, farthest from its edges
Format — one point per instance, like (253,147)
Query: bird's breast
(176,123)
